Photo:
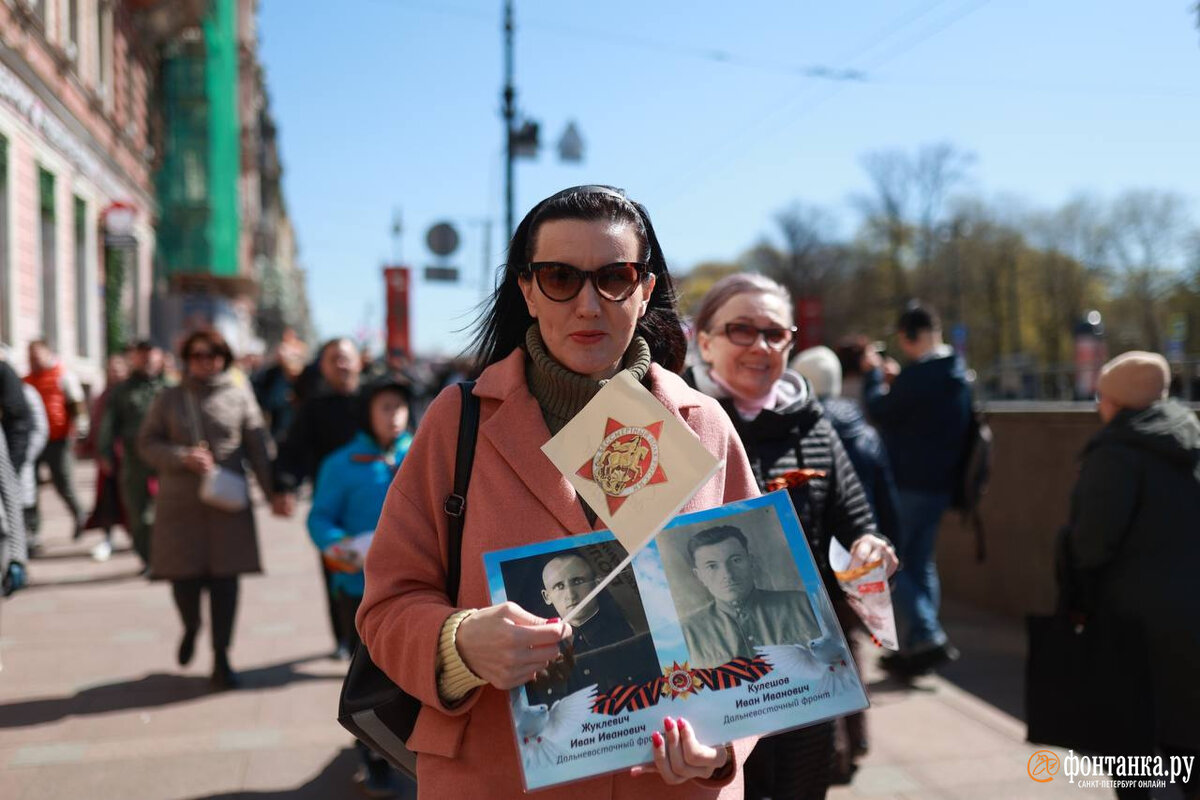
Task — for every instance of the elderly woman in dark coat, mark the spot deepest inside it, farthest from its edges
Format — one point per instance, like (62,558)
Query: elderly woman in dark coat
(210,420)
(1135,537)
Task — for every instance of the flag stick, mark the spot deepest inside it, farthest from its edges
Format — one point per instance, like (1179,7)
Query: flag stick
(599,587)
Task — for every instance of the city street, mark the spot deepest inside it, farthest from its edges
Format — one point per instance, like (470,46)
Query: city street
(871,242)
(93,706)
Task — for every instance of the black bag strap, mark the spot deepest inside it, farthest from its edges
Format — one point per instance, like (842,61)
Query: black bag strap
(456,502)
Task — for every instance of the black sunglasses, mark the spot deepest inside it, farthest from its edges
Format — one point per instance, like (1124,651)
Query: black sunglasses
(562,282)
(745,335)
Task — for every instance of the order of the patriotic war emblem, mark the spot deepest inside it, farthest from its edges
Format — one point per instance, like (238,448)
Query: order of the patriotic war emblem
(626,461)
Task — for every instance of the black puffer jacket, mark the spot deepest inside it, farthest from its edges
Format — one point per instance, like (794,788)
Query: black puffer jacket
(15,416)
(322,424)
(1135,541)
(798,436)
(865,447)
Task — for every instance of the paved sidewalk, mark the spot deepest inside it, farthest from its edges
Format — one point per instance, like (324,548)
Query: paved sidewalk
(937,741)
(93,706)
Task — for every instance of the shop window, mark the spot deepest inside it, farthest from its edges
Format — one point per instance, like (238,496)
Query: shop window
(49,250)
(73,28)
(83,287)
(104,46)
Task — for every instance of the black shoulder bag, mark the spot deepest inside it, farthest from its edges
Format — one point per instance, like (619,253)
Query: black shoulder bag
(1087,675)
(378,712)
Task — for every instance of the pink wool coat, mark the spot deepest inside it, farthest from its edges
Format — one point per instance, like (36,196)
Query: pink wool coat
(516,497)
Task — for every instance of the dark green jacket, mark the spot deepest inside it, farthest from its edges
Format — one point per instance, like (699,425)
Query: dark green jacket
(127,406)
(1135,540)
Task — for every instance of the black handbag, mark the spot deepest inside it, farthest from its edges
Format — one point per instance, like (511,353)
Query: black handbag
(1088,682)
(378,712)
(1089,687)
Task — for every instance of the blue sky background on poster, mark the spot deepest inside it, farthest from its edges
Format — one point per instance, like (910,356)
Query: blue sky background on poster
(656,597)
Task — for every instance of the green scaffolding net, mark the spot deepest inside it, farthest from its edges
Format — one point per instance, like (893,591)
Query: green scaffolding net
(197,182)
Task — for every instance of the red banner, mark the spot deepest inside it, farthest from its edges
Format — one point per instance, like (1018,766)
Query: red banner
(810,312)
(397,280)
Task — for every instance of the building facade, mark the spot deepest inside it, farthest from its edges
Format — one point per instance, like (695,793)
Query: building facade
(140,180)
(77,205)
(221,256)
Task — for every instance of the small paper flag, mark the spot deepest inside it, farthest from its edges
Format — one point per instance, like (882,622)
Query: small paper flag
(632,460)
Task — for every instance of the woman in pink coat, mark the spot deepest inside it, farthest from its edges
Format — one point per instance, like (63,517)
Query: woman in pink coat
(586,293)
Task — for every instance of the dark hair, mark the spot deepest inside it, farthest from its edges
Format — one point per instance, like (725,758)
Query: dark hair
(374,389)
(568,554)
(213,339)
(850,352)
(712,536)
(331,343)
(142,346)
(917,319)
(501,326)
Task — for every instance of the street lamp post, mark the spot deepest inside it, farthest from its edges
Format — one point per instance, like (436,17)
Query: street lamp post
(510,118)
(521,135)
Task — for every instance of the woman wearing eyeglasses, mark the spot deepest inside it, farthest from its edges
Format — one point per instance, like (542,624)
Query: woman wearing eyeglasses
(744,332)
(586,293)
(209,421)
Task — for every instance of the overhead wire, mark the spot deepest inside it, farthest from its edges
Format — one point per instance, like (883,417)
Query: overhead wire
(701,168)
(703,53)
(839,69)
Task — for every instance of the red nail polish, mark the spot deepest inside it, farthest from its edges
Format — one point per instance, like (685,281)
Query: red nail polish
(552,621)
(656,737)
(668,724)
(682,723)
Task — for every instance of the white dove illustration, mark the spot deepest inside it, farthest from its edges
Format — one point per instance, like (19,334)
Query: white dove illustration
(542,731)
(823,661)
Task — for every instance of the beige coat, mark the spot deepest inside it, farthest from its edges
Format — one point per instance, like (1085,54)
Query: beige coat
(516,497)
(192,539)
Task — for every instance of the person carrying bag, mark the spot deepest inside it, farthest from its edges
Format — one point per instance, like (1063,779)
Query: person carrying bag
(586,295)
(220,487)
(197,436)
(1126,666)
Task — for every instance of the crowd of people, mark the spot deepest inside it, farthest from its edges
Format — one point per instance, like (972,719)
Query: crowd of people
(871,454)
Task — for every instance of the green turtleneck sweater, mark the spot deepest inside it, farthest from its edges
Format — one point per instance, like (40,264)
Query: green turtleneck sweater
(561,393)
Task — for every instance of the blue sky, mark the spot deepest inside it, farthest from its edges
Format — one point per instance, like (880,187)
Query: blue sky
(386,103)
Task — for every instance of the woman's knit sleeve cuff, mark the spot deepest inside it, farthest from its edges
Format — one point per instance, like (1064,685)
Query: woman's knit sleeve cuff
(455,679)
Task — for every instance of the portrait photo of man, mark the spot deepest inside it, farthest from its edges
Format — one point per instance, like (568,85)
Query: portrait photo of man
(739,615)
(608,647)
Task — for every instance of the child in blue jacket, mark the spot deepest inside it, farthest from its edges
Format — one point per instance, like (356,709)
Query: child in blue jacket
(351,488)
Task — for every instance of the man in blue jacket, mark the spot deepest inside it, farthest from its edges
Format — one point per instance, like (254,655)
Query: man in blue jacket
(923,413)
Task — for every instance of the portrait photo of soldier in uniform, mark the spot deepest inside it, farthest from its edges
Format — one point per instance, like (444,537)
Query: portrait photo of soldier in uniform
(611,646)
(736,587)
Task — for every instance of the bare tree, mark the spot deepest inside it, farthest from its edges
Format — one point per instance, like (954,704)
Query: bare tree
(1071,246)
(937,170)
(1148,230)
(806,231)
(1081,229)
(887,211)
